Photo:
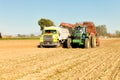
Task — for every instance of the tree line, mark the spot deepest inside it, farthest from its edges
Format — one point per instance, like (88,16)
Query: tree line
(101,29)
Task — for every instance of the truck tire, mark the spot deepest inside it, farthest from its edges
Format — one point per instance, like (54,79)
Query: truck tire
(87,43)
(93,42)
(68,43)
(40,46)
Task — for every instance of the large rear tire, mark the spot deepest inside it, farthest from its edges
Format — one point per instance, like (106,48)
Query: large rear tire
(87,43)
(64,44)
(68,45)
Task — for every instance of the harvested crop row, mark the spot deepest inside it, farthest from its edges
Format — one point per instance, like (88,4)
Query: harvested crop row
(24,61)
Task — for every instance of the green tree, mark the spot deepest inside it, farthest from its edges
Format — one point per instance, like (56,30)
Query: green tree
(45,23)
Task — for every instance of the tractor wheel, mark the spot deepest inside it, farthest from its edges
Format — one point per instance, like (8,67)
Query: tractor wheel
(73,45)
(64,44)
(93,42)
(68,45)
(87,43)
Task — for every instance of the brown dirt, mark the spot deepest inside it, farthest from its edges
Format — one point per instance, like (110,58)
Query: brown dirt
(22,60)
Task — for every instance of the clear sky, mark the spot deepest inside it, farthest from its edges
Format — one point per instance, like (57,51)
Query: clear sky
(21,16)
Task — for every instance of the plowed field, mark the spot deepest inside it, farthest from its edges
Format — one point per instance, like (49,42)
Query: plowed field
(22,60)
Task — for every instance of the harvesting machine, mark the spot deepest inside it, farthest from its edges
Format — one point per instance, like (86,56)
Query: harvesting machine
(85,35)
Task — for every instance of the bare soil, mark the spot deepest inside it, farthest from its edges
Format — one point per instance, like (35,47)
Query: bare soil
(22,60)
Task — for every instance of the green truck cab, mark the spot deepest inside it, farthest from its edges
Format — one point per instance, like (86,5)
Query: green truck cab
(49,37)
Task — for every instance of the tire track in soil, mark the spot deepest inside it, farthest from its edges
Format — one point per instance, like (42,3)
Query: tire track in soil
(89,68)
(72,62)
(78,65)
(115,70)
(7,65)
(99,72)
(60,63)
(101,62)
(105,69)
(92,68)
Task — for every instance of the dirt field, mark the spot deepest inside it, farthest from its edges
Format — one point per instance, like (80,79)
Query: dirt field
(22,60)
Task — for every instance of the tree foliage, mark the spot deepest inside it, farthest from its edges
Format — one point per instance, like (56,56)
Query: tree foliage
(45,23)
(102,30)
(117,33)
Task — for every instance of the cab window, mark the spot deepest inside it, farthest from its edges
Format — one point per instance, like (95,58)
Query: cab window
(50,31)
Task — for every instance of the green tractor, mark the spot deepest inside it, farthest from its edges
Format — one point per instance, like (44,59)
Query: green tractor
(84,36)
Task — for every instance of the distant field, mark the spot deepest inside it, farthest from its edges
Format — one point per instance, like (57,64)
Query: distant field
(22,60)
(18,38)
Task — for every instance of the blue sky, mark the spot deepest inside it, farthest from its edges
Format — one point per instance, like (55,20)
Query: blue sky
(21,16)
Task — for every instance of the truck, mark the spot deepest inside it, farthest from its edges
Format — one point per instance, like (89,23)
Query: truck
(55,36)
(85,35)
(49,37)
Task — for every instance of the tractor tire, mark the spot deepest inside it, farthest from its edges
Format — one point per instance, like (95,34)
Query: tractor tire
(93,42)
(87,43)
(68,45)
(64,44)
(73,45)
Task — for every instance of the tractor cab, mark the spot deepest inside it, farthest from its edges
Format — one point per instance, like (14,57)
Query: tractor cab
(80,29)
(79,32)
(79,35)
